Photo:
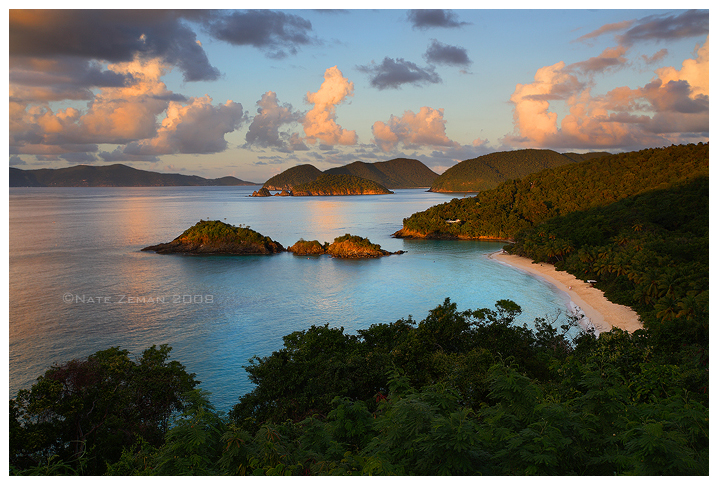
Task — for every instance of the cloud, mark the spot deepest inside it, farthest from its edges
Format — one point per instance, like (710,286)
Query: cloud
(655,58)
(393,73)
(277,33)
(264,129)
(425,19)
(109,35)
(610,58)
(671,108)
(425,128)
(198,127)
(320,122)
(440,53)
(690,23)
(15,161)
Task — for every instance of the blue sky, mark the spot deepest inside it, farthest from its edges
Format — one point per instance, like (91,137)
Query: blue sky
(181,92)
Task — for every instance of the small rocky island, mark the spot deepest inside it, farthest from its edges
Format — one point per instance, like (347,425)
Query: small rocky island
(346,246)
(216,237)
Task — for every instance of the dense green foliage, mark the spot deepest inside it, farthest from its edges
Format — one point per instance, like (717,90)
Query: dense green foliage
(488,171)
(394,174)
(218,232)
(301,174)
(81,414)
(303,248)
(339,185)
(116,175)
(502,212)
(461,392)
(649,251)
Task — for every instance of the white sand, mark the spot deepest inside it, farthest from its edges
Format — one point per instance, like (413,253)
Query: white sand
(586,300)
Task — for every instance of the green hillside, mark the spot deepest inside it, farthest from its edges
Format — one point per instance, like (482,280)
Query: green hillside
(339,185)
(398,173)
(301,174)
(488,171)
(116,175)
(502,212)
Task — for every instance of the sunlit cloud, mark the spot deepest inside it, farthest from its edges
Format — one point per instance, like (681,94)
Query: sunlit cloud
(674,104)
(320,122)
(425,128)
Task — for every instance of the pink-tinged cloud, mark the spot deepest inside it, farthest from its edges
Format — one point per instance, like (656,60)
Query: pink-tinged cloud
(198,127)
(610,58)
(673,105)
(693,71)
(114,115)
(425,128)
(320,122)
(607,29)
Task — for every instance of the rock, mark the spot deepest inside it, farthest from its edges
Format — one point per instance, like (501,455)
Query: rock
(263,192)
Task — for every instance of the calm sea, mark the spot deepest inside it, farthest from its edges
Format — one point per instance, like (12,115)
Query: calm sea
(79,282)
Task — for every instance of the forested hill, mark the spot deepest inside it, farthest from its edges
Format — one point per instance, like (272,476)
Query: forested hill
(328,184)
(502,212)
(399,173)
(301,174)
(116,175)
(488,171)
(396,174)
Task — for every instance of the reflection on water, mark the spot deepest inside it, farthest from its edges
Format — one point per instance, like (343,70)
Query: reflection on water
(218,311)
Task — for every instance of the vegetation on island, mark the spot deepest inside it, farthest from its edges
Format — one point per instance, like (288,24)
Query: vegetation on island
(339,185)
(501,213)
(308,248)
(216,237)
(116,175)
(488,171)
(346,246)
(301,174)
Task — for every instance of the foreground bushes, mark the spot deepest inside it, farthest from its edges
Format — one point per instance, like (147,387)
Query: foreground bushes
(469,392)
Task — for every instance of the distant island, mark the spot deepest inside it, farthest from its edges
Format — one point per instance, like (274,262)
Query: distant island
(399,173)
(116,175)
(216,237)
(340,185)
(488,171)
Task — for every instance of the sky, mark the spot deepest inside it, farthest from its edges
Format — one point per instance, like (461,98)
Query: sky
(251,93)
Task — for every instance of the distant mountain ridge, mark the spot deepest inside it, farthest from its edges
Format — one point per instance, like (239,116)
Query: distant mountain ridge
(116,175)
(488,171)
(394,174)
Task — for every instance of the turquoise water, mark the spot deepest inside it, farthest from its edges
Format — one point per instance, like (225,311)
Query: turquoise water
(79,282)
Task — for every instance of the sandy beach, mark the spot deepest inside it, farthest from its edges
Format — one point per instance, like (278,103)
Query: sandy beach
(585,299)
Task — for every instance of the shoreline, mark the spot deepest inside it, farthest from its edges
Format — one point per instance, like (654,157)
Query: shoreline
(585,300)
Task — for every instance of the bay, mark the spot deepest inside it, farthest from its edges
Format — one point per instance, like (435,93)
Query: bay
(79,282)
